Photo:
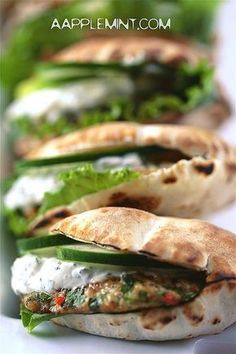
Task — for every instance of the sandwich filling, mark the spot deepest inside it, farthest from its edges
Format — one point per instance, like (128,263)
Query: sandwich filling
(61,98)
(43,188)
(47,285)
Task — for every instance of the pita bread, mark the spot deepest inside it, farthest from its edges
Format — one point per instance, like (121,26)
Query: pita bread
(208,116)
(131,49)
(188,188)
(189,140)
(193,244)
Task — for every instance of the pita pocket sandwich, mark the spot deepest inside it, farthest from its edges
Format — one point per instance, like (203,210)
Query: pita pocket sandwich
(132,275)
(164,169)
(118,78)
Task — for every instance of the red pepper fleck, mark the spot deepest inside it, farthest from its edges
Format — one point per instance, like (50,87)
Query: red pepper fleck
(59,299)
(194,289)
(170,298)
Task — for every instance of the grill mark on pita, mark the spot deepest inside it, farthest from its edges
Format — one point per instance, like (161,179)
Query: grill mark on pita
(178,58)
(138,202)
(219,276)
(115,54)
(167,319)
(231,286)
(231,170)
(47,220)
(194,312)
(206,168)
(116,323)
(193,258)
(231,167)
(42,223)
(157,319)
(170,179)
(189,254)
(153,54)
(214,287)
(216,321)
(61,214)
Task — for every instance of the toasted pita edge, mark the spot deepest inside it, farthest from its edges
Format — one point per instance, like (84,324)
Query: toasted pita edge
(189,243)
(191,141)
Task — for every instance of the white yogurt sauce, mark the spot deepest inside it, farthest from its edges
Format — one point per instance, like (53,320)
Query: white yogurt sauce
(117,162)
(32,273)
(29,190)
(73,97)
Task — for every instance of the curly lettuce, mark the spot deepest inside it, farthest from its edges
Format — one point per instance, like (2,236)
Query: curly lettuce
(85,180)
(193,87)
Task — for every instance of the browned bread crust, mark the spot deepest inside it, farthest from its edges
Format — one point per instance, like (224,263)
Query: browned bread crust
(190,140)
(131,48)
(190,243)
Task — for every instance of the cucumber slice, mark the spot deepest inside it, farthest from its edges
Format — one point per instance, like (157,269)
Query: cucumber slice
(89,156)
(28,244)
(43,252)
(93,254)
(42,69)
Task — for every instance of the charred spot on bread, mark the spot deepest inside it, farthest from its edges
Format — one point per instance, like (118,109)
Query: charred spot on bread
(170,179)
(42,223)
(205,168)
(63,213)
(138,202)
(216,321)
(157,318)
(194,312)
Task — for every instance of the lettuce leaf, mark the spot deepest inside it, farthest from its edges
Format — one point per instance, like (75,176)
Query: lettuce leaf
(193,87)
(82,181)
(195,84)
(159,105)
(24,126)
(30,320)
(32,40)
(16,222)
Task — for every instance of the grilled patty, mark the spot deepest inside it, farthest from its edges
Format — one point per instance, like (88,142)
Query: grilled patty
(127,293)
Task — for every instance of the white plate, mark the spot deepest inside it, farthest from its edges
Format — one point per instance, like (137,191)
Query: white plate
(59,340)
(49,338)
